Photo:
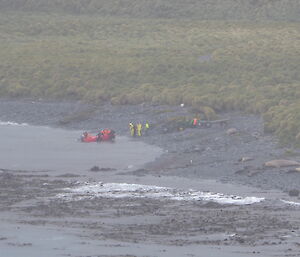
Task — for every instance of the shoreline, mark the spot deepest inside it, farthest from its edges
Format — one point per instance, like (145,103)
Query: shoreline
(207,153)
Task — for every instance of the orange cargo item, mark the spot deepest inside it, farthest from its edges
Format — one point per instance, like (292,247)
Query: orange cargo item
(89,138)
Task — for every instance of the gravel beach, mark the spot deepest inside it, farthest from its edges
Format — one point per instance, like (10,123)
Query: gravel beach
(158,208)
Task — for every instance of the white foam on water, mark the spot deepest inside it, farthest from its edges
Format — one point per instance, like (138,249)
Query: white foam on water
(10,123)
(290,202)
(123,190)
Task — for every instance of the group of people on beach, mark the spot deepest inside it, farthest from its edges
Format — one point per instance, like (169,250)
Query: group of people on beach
(138,129)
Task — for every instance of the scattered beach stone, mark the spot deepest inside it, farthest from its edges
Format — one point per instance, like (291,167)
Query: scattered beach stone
(245,159)
(96,168)
(292,171)
(231,131)
(281,163)
(297,169)
(253,173)
(20,244)
(241,171)
(294,192)
(256,135)
(248,171)
(68,175)
(140,172)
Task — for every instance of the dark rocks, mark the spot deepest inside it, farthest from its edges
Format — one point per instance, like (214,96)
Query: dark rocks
(294,192)
(68,175)
(96,169)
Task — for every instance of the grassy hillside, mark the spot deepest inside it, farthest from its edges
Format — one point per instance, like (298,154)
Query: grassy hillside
(211,65)
(198,9)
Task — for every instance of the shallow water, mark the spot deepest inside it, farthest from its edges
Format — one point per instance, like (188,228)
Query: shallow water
(35,148)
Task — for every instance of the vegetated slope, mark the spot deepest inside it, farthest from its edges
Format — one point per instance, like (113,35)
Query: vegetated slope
(199,9)
(249,66)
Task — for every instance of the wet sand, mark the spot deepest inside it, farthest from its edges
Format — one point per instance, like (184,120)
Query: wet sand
(60,208)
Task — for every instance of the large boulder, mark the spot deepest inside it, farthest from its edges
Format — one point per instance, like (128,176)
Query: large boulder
(281,163)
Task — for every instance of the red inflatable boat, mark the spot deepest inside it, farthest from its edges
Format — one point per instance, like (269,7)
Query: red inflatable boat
(103,135)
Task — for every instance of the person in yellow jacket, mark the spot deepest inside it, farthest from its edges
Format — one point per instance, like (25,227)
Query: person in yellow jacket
(139,128)
(147,126)
(132,129)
